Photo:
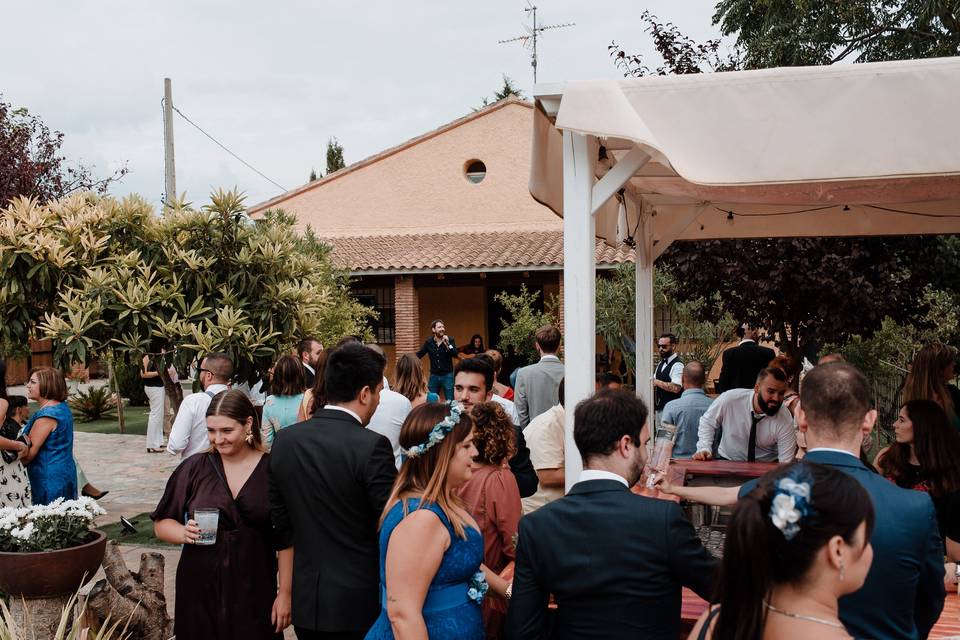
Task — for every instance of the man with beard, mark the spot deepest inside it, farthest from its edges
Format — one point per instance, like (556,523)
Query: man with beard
(442,350)
(614,561)
(755,425)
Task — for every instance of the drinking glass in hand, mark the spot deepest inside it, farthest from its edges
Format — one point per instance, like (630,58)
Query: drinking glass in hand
(207,520)
(662,450)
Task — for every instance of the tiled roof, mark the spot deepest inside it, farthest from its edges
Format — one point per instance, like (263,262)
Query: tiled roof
(461,251)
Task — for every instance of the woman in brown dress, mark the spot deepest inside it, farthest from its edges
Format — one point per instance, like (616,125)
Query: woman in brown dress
(493,499)
(227,590)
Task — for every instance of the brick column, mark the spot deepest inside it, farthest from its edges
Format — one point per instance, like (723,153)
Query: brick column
(560,301)
(407,315)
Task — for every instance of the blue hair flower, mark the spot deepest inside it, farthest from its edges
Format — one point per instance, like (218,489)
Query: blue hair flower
(478,587)
(791,502)
(438,433)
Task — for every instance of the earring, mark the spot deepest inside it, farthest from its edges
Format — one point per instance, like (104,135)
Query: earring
(841,571)
(250,441)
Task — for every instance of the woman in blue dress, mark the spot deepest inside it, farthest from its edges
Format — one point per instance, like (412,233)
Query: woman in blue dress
(432,580)
(49,460)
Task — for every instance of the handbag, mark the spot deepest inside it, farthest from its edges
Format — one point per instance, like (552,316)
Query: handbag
(11,431)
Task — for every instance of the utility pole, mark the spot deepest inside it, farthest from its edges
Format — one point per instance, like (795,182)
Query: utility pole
(170,181)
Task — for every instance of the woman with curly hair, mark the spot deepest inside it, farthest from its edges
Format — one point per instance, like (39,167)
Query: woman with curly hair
(493,499)
(930,373)
(924,457)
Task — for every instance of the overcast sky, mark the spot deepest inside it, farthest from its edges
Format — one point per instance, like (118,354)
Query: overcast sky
(274,80)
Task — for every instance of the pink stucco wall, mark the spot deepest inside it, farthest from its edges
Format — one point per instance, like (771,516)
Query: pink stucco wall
(423,187)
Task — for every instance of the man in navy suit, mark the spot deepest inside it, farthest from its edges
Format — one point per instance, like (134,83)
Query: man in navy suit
(903,594)
(614,561)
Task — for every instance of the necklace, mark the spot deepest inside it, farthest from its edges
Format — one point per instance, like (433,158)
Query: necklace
(800,616)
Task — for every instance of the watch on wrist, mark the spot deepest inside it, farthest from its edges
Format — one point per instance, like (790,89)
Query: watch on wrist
(956,572)
(508,593)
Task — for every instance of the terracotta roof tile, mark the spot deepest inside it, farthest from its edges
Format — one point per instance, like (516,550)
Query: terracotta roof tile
(460,251)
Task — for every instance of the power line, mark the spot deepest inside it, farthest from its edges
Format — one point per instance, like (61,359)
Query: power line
(222,146)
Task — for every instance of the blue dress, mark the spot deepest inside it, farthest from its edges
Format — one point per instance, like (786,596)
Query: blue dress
(53,473)
(447,611)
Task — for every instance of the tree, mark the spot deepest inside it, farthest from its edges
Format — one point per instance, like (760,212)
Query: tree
(804,290)
(782,33)
(519,333)
(313,175)
(107,278)
(508,89)
(31,164)
(334,156)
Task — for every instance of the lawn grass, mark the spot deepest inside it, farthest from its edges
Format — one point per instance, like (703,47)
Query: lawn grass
(135,419)
(144,535)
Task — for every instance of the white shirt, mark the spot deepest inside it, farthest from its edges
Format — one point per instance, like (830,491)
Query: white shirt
(833,450)
(389,417)
(544,436)
(732,411)
(337,407)
(597,474)
(308,368)
(189,432)
(509,407)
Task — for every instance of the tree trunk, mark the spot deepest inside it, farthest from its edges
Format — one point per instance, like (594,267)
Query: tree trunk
(135,598)
(116,390)
(37,617)
(174,390)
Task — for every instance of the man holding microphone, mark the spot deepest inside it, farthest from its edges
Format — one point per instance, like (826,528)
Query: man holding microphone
(442,350)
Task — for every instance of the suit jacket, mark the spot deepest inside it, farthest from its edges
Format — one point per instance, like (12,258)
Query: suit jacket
(741,364)
(537,388)
(329,481)
(903,594)
(615,562)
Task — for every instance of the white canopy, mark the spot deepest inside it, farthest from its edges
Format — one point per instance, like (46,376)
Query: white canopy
(867,149)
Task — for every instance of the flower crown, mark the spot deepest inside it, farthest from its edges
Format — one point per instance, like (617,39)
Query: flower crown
(439,431)
(791,503)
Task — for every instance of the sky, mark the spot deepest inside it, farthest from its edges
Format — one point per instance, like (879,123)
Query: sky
(273,81)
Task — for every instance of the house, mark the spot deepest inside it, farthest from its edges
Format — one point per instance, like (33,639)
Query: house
(437,226)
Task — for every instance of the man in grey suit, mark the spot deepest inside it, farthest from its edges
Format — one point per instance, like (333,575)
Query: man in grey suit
(537,384)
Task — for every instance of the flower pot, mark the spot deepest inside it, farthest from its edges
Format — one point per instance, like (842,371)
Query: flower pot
(45,574)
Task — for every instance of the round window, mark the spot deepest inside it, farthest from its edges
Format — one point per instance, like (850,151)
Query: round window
(475,171)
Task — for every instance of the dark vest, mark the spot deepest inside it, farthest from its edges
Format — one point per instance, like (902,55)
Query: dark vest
(661,397)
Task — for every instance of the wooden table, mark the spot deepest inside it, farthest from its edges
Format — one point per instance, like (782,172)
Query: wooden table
(723,473)
(948,626)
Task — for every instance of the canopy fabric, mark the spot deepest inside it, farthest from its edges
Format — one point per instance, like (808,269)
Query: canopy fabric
(864,149)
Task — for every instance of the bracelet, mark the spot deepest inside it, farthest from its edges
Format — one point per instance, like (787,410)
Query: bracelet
(508,593)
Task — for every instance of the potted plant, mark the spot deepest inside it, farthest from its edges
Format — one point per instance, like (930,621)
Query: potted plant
(49,550)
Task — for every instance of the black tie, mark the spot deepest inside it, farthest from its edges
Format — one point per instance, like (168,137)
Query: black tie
(752,442)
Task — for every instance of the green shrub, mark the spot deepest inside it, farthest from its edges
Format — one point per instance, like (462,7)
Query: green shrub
(131,384)
(93,404)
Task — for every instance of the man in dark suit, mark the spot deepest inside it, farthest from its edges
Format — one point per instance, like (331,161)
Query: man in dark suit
(329,480)
(903,594)
(742,363)
(615,561)
(309,350)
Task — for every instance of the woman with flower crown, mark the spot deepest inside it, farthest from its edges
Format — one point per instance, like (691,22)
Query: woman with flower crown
(432,580)
(795,544)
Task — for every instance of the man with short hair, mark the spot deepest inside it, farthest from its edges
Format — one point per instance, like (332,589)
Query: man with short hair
(536,388)
(310,350)
(474,384)
(605,380)
(614,561)
(329,481)
(390,414)
(668,376)
(742,363)
(903,594)
(189,432)
(756,427)
(442,350)
(545,438)
(686,411)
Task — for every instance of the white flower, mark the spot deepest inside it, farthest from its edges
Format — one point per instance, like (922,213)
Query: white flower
(24,533)
(799,489)
(784,511)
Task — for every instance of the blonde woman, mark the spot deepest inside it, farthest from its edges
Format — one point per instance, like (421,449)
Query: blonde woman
(431,549)
(227,590)
(410,382)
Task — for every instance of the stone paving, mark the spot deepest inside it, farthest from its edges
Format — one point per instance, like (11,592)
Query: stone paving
(136,479)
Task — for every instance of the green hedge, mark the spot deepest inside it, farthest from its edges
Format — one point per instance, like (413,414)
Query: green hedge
(131,384)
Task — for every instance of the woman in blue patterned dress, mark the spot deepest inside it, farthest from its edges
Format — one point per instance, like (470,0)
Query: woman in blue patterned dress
(432,580)
(49,460)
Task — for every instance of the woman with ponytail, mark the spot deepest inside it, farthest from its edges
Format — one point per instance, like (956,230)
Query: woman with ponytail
(795,545)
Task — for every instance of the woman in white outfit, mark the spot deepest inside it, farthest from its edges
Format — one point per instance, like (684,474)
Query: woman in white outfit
(153,387)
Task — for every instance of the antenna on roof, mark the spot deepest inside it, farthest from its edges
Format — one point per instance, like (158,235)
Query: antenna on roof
(529,41)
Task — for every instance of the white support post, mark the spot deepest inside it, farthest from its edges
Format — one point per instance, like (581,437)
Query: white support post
(579,288)
(644,314)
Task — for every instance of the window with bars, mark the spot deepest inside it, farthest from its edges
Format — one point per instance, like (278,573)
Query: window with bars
(380,299)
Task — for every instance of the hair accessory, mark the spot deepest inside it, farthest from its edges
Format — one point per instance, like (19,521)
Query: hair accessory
(478,587)
(439,431)
(791,503)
